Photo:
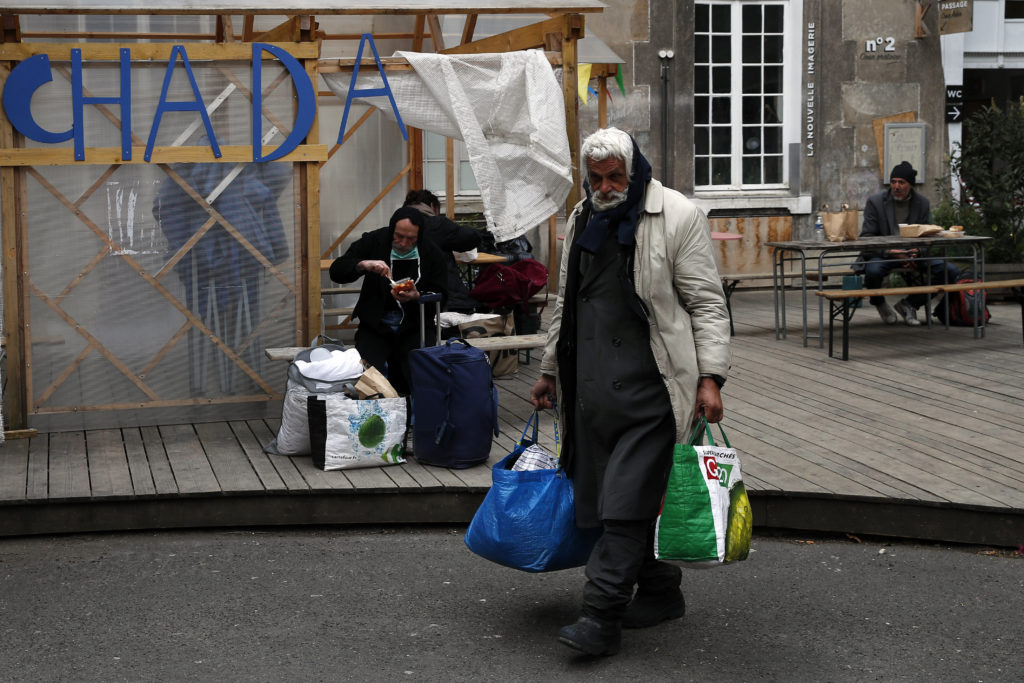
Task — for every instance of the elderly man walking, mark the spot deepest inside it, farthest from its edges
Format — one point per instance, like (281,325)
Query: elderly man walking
(639,343)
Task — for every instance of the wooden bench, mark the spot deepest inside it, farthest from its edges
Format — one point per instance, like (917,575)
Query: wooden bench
(841,303)
(510,342)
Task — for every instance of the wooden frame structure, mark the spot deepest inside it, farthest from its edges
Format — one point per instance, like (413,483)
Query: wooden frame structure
(294,28)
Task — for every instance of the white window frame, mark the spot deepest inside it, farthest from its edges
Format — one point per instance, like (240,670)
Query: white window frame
(791,85)
(462,170)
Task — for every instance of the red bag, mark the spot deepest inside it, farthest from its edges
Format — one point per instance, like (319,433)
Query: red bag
(500,285)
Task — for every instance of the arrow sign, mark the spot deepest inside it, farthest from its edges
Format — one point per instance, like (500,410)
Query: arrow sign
(954,103)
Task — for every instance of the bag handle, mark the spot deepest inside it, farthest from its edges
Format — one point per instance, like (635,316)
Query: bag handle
(703,429)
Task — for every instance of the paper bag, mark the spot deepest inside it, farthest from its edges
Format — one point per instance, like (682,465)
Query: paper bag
(505,361)
(919,230)
(373,383)
(841,225)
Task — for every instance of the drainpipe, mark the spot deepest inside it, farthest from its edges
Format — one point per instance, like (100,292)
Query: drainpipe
(666,57)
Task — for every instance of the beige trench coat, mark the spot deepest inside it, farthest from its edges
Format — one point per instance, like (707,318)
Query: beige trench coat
(676,277)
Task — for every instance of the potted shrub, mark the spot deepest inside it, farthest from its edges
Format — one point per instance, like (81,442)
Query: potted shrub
(989,167)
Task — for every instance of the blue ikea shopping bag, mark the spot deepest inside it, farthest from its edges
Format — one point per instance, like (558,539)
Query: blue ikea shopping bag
(527,520)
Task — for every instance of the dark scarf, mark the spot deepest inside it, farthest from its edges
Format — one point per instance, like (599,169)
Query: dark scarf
(621,218)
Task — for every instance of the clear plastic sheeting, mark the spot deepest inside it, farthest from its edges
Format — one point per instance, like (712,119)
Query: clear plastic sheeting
(507,107)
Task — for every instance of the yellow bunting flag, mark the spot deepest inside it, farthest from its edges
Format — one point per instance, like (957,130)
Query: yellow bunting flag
(583,79)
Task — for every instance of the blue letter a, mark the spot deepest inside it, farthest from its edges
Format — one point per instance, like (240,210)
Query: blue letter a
(369,92)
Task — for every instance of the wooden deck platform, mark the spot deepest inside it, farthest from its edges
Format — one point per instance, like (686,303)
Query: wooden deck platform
(920,434)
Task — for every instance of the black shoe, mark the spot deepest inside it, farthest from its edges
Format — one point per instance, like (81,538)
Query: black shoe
(648,610)
(592,636)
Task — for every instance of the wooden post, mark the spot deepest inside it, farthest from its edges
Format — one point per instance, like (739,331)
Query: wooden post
(572,30)
(308,326)
(449,177)
(10,224)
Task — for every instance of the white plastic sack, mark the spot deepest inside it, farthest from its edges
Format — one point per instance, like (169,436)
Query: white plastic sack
(347,433)
(508,108)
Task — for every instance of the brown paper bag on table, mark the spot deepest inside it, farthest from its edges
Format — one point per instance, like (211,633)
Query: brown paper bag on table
(373,384)
(841,225)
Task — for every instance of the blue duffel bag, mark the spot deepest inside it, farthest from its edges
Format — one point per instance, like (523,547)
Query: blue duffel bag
(527,520)
(454,404)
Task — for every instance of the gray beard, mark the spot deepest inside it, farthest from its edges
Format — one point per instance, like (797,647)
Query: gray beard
(615,199)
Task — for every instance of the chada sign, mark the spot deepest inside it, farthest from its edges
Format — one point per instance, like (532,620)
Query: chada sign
(34,72)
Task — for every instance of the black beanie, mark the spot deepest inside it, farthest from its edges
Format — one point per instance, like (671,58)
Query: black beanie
(905,171)
(414,215)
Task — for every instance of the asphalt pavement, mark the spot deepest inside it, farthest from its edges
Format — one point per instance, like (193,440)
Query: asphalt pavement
(413,604)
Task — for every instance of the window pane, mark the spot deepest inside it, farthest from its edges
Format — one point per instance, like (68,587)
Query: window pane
(772,109)
(721,110)
(773,49)
(434,176)
(773,19)
(701,110)
(702,171)
(751,170)
(701,79)
(700,141)
(467,181)
(773,169)
(721,140)
(751,140)
(433,146)
(773,140)
(751,19)
(722,79)
(701,18)
(720,171)
(772,79)
(751,49)
(721,49)
(700,50)
(751,79)
(751,110)
(720,19)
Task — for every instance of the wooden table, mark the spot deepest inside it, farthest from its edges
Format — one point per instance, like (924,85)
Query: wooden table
(822,253)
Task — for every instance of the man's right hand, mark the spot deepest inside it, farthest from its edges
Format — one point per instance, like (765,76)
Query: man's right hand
(374,266)
(543,392)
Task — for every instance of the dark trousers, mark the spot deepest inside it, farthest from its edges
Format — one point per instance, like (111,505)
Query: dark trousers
(876,268)
(624,558)
(389,353)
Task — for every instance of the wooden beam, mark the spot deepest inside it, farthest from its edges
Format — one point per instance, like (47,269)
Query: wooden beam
(141,52)
(435,33)
(525,38)
(309,313)
(572,30)
(468,29)
(449,177)
(14,328)
(230,154)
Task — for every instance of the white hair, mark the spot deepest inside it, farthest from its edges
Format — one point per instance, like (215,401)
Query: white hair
(608,143)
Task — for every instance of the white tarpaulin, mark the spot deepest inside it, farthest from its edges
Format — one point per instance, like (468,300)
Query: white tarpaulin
(507,107)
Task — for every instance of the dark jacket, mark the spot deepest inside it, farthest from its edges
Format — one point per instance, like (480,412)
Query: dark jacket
(449,236)
(375,295)
(880,218)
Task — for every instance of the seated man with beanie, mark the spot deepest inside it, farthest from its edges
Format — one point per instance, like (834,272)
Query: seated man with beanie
(883,214)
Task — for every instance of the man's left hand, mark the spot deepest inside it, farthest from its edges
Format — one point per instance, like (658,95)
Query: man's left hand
(709,400)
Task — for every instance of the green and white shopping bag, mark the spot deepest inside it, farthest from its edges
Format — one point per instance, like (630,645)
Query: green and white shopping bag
(706,517)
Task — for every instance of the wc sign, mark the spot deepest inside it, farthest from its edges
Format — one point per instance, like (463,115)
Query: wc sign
(954,103)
